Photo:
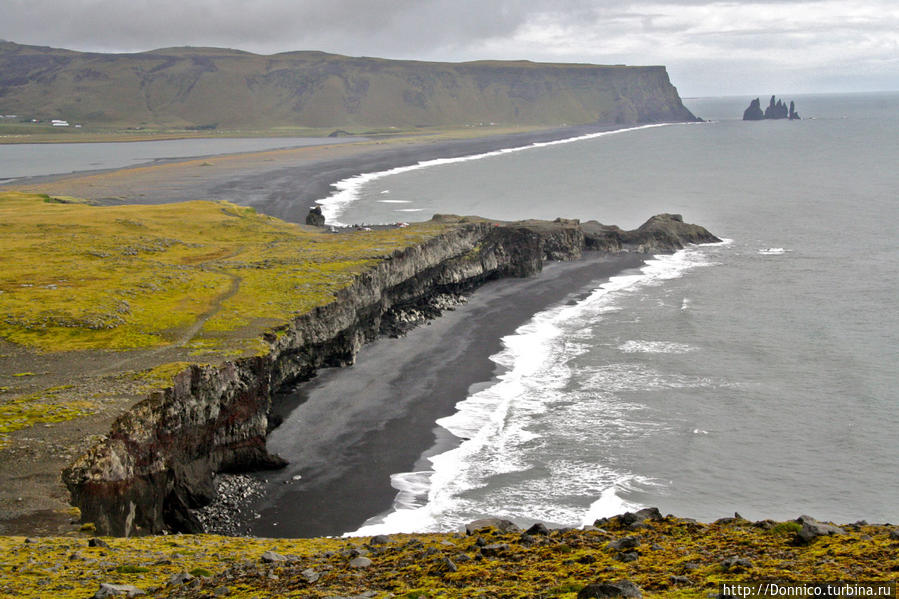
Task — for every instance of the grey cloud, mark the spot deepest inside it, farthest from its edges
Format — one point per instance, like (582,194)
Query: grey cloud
(625,31)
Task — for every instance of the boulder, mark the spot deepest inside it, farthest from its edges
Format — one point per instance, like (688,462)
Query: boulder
(624,543)
(812,529)
(270,557)
(497,523)
(538,529)
(620,588)
(736,564)
(360,562)
(494,549)
(310,575)
(180,578)
(118,590)
(380,540)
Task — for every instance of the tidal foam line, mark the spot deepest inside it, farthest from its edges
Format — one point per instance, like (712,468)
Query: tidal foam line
(347,190)
(495,427)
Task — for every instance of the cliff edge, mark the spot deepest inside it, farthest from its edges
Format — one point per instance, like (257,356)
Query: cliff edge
(158,460)
(213,88)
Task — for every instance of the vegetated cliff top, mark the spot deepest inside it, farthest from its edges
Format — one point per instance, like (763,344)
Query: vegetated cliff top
(670,557)
(101,304)
(214,87)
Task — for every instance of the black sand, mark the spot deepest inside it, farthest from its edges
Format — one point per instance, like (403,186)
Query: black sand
(352,428)
(288,192)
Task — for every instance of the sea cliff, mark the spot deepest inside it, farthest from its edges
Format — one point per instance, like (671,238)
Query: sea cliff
(172,87)
(158,460)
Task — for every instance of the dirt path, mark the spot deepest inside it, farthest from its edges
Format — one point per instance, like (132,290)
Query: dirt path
(188,334)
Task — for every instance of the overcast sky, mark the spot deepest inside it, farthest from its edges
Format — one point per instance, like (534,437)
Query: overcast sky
(734,47)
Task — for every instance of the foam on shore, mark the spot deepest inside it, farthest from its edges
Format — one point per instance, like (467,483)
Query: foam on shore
(502,465)
(347,190)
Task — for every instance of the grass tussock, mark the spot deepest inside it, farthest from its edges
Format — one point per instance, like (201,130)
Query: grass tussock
(676,558)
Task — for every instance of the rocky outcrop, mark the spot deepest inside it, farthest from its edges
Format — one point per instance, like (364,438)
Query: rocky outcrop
(315,217)
(158,460)
(776,109)
(754,111)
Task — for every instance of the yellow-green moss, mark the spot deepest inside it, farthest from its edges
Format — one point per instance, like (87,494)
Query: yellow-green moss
(557,565)
(45,407)
(126,277)
(162,375)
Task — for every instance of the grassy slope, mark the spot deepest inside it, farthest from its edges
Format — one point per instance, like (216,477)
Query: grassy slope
(182,87)
(557,565)
(198,280)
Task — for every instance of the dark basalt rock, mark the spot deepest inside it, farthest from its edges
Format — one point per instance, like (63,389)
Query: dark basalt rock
(812,529)
(624,543)
(620,588)
(497,523)
(754,112)
(315,217)
(156,465)
(776,109)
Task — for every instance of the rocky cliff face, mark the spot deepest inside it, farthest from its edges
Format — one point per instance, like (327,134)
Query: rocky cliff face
(158,460)
(205,88)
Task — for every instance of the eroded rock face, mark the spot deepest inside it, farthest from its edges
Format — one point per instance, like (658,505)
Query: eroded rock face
(158,461)
(777,109)
(315,217)
(754,111)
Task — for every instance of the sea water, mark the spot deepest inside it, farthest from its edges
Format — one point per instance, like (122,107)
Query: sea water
(757,375)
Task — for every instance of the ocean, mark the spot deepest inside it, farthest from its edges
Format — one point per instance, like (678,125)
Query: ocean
(757,375)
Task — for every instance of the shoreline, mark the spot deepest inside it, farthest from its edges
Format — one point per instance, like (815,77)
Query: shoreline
(382,410)
(353,162)
(281,183)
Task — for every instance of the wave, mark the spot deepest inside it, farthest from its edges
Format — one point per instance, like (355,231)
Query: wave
(347,190)
(654,347)
(522,450)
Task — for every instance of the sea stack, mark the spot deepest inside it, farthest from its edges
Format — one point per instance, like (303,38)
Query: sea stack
(777,109)
(315,217)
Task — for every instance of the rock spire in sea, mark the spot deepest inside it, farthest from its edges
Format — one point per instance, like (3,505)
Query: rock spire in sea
(777,109)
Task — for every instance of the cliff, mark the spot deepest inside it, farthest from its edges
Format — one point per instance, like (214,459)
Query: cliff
(158,459)
(208,88)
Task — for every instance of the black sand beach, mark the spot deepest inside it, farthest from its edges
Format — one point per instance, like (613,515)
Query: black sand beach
(354,427)
(351,428)
(281,183)
(287,192)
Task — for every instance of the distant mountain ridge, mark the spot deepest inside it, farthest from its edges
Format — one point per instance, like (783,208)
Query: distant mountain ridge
(204,87)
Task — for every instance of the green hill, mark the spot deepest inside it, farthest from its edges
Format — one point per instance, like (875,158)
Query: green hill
(206,87)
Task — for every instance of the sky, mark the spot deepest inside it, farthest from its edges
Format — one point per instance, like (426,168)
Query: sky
(711,48)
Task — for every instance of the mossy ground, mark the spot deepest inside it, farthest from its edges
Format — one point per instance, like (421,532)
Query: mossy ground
(78,277)
(556,565)
(203,278)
